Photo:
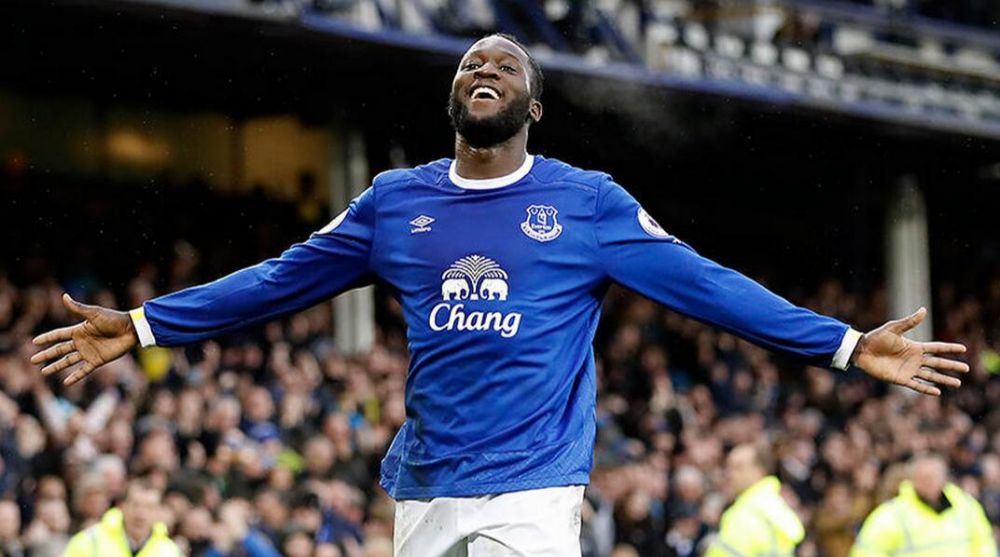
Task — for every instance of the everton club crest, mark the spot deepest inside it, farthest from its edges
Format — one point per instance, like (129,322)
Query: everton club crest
(541,223)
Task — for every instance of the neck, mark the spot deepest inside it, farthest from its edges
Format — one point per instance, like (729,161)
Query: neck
(751,484)
(136,539)
(480,163)
(936,502)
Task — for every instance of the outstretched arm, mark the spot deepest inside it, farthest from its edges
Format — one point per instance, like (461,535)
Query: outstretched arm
(640,255)
(331,261)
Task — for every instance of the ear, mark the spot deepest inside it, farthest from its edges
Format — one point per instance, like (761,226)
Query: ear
(535,110)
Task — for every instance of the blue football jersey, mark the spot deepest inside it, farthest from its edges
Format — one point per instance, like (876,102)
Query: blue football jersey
(501,283)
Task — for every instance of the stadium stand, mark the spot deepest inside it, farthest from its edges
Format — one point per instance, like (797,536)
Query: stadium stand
(928,63)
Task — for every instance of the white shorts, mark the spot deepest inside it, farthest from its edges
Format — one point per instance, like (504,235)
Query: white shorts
(533,523)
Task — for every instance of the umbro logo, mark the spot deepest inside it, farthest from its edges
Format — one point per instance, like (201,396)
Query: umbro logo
(421,224)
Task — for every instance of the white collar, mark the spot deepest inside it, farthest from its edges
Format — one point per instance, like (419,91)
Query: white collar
(492,183)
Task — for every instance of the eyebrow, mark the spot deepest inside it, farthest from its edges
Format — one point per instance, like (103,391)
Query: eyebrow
(480,52)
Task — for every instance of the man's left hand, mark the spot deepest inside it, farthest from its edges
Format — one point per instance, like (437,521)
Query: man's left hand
(886,354)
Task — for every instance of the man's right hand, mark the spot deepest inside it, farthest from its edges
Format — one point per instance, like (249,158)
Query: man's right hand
(103,336)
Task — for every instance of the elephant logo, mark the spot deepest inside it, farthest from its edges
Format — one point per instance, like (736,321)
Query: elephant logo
(541,223)
(455,289)
(474,277)
(493,289)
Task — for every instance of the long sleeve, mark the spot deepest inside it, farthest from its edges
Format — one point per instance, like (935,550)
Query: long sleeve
(638,254)
(331,261)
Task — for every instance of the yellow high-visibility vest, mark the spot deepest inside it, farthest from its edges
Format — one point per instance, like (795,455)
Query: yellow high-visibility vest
(759,523)
(107,539)
(905,526)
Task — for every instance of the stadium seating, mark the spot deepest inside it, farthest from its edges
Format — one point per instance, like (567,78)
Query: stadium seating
(885,61)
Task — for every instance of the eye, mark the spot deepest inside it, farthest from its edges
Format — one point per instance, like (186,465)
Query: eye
(508,69)
(472,66)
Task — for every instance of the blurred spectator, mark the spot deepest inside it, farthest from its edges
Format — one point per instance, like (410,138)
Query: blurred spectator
(685,535)
(134,529)
(10,530)
(839,516)
(48,532)
(235,537)
(930,517)
(760,522)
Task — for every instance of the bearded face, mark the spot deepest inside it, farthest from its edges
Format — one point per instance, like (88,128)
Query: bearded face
(487,130)
(491,99)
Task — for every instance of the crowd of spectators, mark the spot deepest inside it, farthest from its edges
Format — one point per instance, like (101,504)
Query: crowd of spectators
(676,394)
(268,442)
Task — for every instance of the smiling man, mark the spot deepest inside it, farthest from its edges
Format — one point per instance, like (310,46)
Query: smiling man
(500,260)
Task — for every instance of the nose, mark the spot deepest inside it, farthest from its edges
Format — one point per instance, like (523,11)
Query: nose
(488,70)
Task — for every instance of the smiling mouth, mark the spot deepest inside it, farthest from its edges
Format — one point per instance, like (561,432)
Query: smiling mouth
(485,93)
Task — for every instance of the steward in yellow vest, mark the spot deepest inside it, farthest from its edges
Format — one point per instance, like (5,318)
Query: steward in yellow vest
(759,523)
(131,531)
(929,518)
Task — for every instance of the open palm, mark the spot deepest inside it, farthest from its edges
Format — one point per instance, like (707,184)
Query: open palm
(103,336)
(886,354)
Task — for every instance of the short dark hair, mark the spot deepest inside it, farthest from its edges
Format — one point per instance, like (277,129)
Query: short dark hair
(142,483)
(537,78)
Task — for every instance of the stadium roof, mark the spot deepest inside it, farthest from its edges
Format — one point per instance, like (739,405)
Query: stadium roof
(96,41)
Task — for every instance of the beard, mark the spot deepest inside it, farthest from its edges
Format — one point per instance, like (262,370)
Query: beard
(492,130)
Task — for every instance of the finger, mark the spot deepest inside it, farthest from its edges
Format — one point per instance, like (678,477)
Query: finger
(944,364)
(900,326)
(79,372)
(923,388)
(81,310)
(928,374)
(942,347)
(62,333)
(61,363)
(53,352)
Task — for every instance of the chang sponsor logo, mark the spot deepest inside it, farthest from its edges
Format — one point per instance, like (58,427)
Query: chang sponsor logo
(474,278)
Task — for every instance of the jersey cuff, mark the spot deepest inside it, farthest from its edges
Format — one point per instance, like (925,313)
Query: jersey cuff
(142,328)
(842,357)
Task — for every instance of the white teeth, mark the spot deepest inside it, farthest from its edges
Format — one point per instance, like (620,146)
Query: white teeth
(489,91)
